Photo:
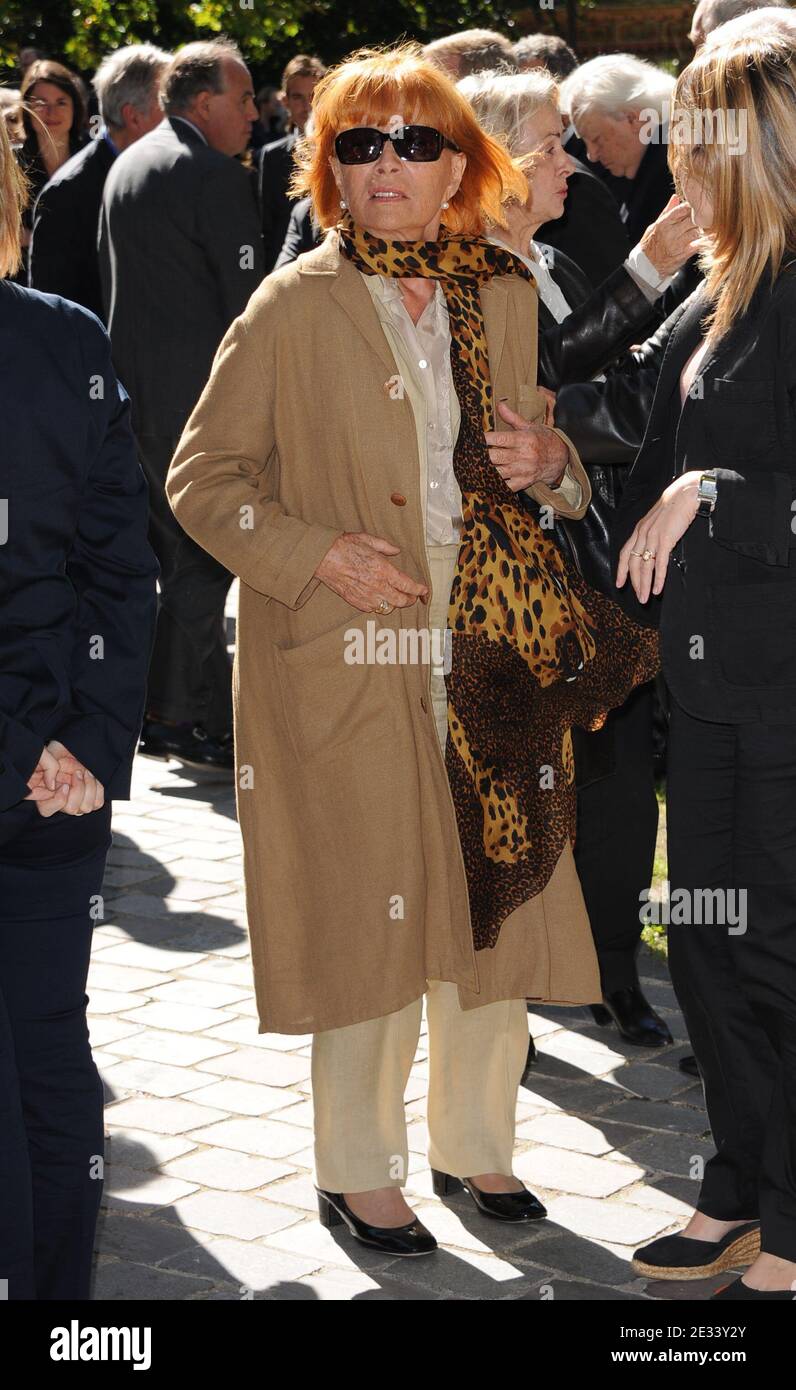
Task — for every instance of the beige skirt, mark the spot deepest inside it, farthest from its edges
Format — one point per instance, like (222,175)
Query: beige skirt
(545,950)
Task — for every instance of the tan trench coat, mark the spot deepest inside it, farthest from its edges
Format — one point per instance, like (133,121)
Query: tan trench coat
(355,884)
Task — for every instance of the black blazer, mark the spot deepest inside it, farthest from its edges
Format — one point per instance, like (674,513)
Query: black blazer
(649,192)
(732,578)
(180,254)
(274,167)
(303,233)
(76,565)
(63,254)
(591,231)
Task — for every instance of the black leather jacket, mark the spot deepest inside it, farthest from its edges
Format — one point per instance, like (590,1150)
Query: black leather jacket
(603,323)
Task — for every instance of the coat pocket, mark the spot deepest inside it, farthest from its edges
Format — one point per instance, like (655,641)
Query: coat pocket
(741,419)
(755,626)
(336,698)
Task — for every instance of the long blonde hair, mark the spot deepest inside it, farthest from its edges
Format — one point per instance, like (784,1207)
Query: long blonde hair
(13,198)
(751,182)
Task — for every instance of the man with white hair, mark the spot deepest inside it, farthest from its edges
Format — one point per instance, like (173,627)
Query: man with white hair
(63,253)
(710,14)
(620,106)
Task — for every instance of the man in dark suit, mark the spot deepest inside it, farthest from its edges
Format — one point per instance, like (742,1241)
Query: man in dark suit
(591,231)
(620,106)
(180,254)
(275,163)
(63,253)
(303,233)
(77,577)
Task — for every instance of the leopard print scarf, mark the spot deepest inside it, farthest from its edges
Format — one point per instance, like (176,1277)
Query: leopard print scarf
(534,649)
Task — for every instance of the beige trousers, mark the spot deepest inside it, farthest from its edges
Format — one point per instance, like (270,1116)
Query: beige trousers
(476,1056)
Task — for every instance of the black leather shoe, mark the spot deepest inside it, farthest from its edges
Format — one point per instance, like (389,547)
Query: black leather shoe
(684,1257)
(738,1291)
(191,745)
(504,1206)
(412,1239)
(689,1066)
(634,1016)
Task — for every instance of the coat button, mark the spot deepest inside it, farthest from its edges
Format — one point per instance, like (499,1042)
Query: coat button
(398,499)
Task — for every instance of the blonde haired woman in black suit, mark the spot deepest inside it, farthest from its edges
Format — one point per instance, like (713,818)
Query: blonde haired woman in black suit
(714,551)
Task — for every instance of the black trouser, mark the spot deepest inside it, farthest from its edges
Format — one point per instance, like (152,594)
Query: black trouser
(731,792)
(190,674)
(51,1101)
(615,845)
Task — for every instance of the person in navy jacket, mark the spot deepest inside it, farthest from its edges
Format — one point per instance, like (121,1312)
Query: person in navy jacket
(77,614)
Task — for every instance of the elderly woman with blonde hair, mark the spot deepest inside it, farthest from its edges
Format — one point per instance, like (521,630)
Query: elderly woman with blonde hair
(582,332)
(407,824)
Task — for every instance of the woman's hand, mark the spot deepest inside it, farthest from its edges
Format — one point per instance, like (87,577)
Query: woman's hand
(657,533)
(671,238)
(355,568)
(528,453)
(60,783)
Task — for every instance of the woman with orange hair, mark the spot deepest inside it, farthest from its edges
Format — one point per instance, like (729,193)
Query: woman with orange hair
(405,785)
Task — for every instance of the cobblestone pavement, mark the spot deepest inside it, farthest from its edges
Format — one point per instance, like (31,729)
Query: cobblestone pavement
(209,1182)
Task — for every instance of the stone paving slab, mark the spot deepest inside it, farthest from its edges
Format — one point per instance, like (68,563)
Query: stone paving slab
(209,1192)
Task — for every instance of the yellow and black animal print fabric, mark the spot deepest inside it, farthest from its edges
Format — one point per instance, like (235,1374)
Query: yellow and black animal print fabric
(534,650)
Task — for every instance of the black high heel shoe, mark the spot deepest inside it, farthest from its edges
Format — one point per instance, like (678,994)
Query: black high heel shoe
(412,1239)
(504,1206)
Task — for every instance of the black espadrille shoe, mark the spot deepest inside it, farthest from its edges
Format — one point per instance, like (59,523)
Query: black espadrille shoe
(683,1257)
(738,1291)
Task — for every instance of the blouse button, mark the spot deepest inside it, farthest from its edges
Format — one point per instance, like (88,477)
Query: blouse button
(398,499)
(422,362)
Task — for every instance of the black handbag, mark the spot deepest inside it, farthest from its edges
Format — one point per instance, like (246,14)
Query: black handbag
(586,547)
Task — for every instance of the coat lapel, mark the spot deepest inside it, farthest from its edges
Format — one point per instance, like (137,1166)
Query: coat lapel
(350,292)
(681,344)
(352,295)
(495,304)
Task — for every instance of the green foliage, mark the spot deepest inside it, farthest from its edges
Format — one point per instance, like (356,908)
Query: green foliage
(269,31)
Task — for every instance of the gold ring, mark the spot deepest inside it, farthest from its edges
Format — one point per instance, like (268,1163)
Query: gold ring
(384,606)
(648,555)
(638,554)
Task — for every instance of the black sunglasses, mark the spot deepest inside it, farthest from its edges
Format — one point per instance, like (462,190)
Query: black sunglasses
(422,144)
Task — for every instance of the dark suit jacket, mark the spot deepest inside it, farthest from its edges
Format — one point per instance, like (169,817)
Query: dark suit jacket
(63,254)
(732,578)
(275,165)
(76,566)
(591,231)
(180,254)
(649,192)
(303,233)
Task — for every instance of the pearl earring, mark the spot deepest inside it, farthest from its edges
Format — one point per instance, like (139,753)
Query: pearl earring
(446,204)
(343,203)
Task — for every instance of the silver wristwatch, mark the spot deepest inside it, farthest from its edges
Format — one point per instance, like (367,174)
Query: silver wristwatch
(707,492)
